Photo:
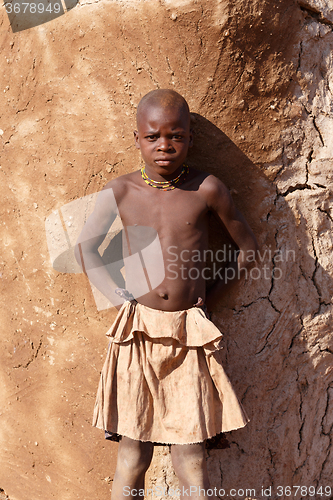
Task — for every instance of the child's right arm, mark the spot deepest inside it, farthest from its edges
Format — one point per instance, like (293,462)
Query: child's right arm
(234,224)
(91,237)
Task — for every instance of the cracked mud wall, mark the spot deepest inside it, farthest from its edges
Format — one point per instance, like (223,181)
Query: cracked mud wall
(258,78)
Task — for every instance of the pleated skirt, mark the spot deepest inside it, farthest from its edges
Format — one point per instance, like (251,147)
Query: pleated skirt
(163,379)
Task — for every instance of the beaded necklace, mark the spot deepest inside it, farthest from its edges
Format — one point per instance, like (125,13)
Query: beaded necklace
(166,185)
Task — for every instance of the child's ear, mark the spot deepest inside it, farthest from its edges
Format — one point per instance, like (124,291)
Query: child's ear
(136,139)
(191,138)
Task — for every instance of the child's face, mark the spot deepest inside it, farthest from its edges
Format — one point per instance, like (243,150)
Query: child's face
(163,136)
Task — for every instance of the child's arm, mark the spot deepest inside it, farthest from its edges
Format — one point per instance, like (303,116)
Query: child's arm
(91,237)
(220,202)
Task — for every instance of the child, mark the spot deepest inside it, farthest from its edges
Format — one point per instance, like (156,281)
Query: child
(163,381)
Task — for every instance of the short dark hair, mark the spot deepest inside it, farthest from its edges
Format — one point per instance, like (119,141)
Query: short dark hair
(167,98)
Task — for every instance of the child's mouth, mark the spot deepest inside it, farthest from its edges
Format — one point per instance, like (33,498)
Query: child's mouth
(164,163)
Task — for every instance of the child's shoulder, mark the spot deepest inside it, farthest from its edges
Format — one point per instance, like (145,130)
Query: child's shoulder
(210,186)
(206,184)
(122,183)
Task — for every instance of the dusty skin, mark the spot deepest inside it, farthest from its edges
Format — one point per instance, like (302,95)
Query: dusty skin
(180,217)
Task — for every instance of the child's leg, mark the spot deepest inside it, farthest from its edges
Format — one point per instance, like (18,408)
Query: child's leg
(189,462)
(133,460)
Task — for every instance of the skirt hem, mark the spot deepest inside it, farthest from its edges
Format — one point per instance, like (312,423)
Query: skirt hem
(169,442)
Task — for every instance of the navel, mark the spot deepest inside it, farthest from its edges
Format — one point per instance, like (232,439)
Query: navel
(163,295)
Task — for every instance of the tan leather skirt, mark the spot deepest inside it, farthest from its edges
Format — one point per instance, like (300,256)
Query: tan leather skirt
(163,380)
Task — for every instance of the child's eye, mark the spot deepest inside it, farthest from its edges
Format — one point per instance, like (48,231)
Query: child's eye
(151,137)
(178,137)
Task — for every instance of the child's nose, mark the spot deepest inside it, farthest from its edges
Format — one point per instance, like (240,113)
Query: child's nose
(163,144)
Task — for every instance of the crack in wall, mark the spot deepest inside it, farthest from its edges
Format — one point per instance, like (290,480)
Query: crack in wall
(267,337)
(302,418)
(293,143)
(275,324)
(297,187)
(300,466)
(305,185)
(34,356)
(271,456)
(221,474)
(309,161)
(296,334)
(326,349)
(169,66)
(284,146)
(246,391)
(273,269)
(92,178)
(149,70)
(246,306)
(314,13)
(326,212)
(300,431)
(329,433)
(313,277)
(318,131)
(299,56)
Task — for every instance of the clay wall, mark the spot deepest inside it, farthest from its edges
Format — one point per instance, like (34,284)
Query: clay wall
(258,78)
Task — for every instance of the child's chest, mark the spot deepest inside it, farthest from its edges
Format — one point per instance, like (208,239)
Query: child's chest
(165,211)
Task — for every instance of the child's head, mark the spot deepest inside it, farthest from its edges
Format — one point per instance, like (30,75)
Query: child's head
(166,99)
(163,131)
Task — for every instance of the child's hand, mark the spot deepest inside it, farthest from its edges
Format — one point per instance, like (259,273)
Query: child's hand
(124,294)
(202,306)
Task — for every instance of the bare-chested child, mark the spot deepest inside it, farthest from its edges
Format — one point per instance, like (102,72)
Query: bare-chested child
(163,381)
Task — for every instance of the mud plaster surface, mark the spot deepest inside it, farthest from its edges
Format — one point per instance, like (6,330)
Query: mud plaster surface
(258,77)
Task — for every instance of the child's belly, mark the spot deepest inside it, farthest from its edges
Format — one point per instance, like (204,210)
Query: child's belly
(166,271)
(174,284)
(173,298)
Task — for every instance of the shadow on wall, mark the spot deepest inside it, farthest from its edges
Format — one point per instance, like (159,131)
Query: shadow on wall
(263,319)
(23,15)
